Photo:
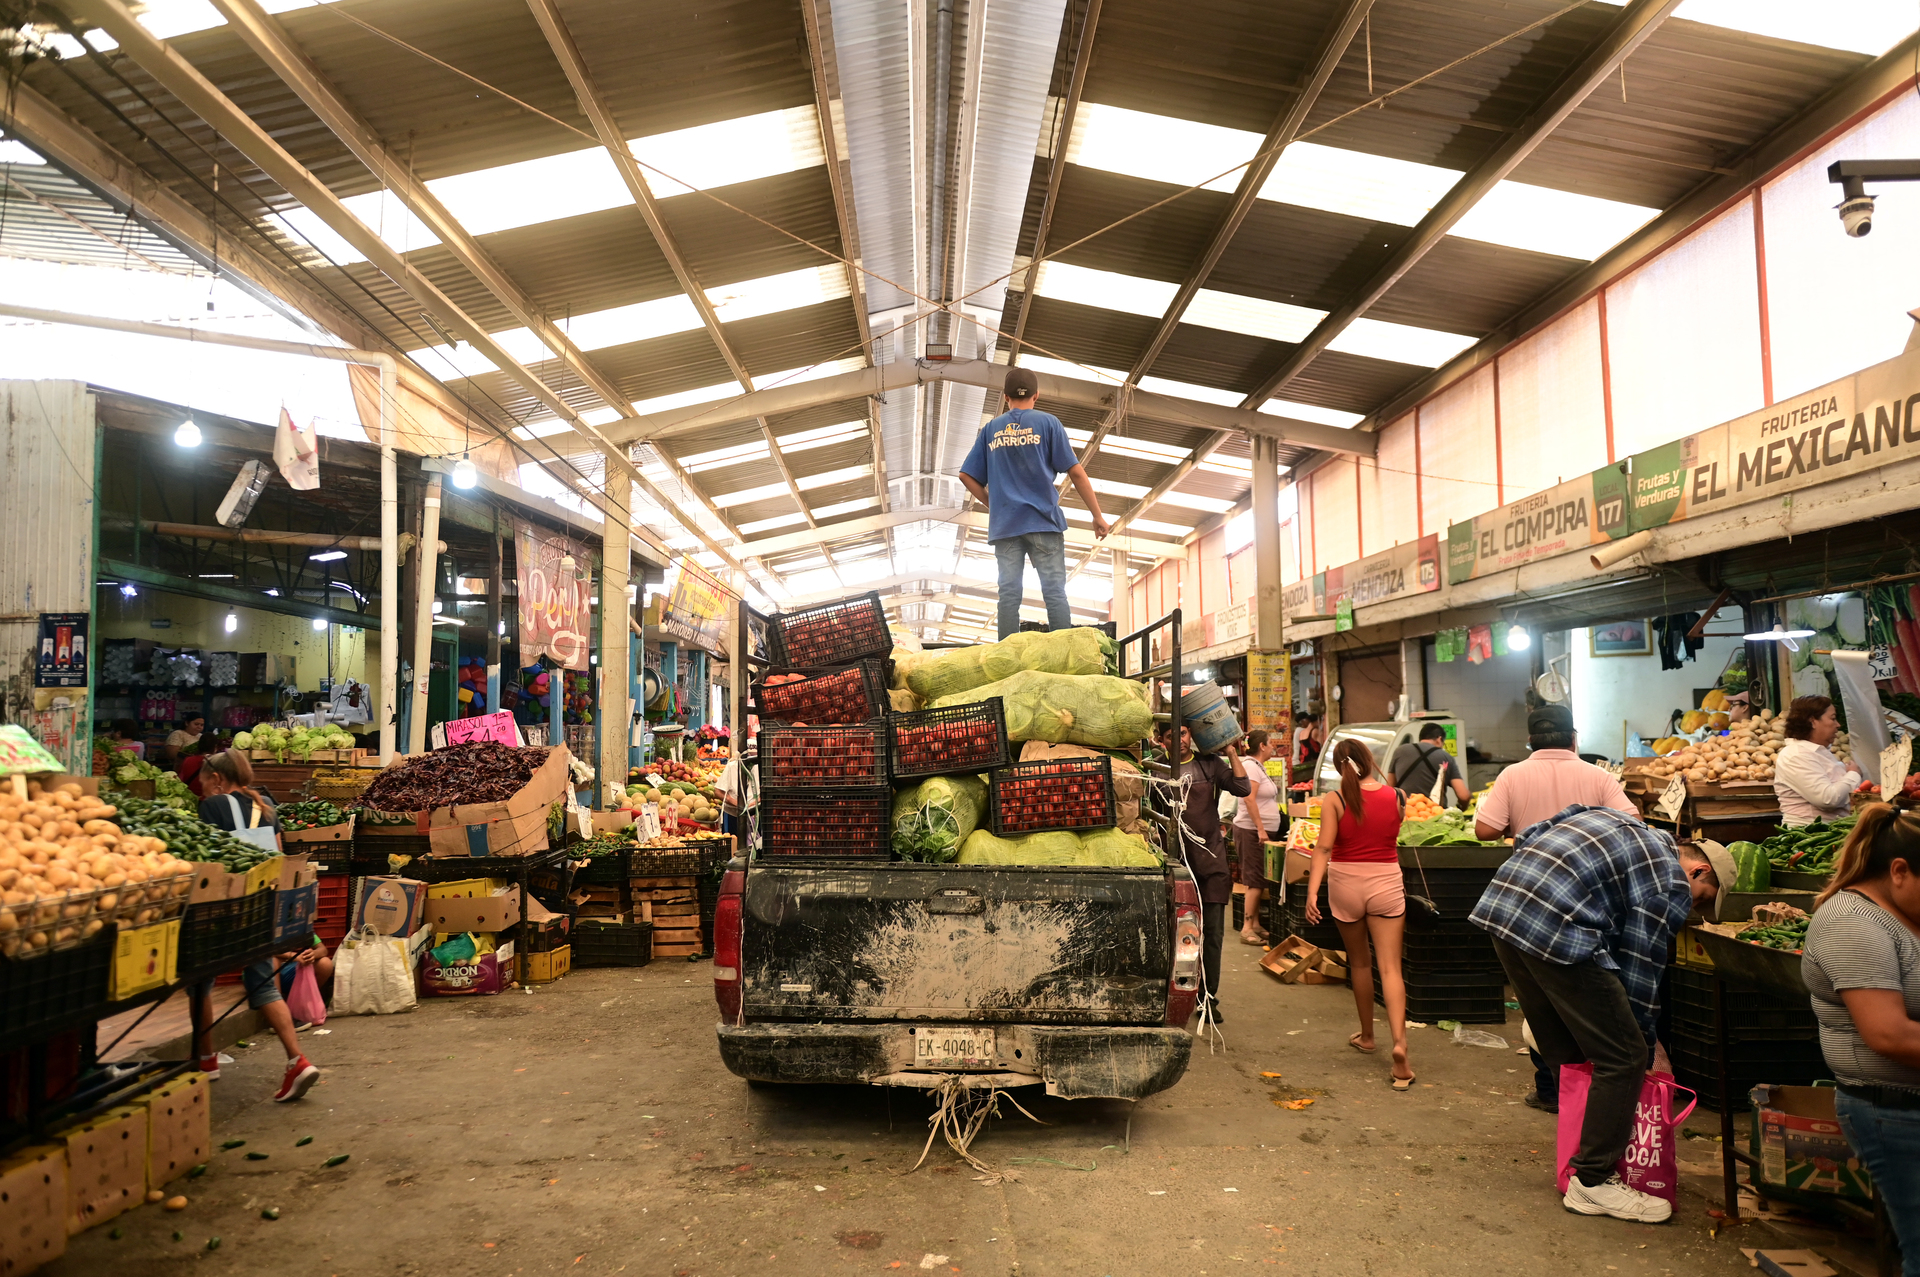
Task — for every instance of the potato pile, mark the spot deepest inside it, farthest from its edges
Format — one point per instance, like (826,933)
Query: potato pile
(66,870)
(1745,753)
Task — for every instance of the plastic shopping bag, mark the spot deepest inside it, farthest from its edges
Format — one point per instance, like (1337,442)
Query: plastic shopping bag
(372,974)
(304,999)
(1649,1163)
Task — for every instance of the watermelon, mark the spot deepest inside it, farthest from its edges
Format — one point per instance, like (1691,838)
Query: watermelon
(1756,871)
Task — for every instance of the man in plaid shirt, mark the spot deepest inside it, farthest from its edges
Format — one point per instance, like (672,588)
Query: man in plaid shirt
(1582,915)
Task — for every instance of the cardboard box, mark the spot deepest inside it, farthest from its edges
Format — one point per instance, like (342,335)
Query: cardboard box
(296,871)
(325,833)
(211,882)
(466,888)
(487,973)
(392,905)
(106,1166)
(545,968)
(294,913)
(455,914)
(1801,1147)
(144,958)
(179,1128)
(33,1208)
(516,827)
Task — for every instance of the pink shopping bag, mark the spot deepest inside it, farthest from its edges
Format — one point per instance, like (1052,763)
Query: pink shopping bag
(1649,1164)
(304,998)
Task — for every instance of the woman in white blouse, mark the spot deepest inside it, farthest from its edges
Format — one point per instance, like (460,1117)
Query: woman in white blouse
(1808,778)
(1256,822)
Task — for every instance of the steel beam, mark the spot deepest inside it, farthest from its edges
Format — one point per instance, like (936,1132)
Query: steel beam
(1638,21)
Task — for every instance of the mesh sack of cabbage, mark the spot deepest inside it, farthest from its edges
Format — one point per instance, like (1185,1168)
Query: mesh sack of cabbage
(1080,709)
(933,818)
(1077,651)
(1096,848)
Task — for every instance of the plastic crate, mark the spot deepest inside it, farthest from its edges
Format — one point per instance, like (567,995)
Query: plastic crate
(1294,918)
(604,870)
(828,824)
(1471,997)
(1467,948)
(1753,1063)
(951,741)
(803,759)
(831,633)
(216,933)
(335,903)
(612,944)
(61,985)
(1751,1017)
(294,914)
(1066,793)
(824,694)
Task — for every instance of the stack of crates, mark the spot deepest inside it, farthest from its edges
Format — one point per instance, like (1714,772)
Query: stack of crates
(1451,970)
(1770,1040)
(664,890)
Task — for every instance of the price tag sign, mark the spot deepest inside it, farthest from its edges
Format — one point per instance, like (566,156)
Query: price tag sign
(1880,662)
(1673,799)
(498,727)
(1895,759)
(655,779)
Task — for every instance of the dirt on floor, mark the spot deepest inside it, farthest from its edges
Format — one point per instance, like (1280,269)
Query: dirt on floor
(588,1127)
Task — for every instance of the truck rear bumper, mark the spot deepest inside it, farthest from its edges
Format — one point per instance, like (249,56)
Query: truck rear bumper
(1074,1063)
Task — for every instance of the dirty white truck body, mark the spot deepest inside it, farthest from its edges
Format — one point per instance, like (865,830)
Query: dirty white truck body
(1080,979)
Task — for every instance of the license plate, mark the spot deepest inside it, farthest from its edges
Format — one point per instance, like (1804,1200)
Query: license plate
(950,1048)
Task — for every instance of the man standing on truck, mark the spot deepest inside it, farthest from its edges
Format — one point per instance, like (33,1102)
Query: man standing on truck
(1015,459)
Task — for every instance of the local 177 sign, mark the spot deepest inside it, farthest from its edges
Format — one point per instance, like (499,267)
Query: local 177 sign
(1586,511)
(555,614)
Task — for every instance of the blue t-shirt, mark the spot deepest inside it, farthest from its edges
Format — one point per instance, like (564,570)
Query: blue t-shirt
(1017,456)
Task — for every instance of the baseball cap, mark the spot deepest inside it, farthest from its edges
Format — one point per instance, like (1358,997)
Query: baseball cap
(1020,383)
(1550,720)
(1724,869)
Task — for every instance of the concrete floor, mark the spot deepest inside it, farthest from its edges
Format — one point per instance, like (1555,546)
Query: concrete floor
(589,1128)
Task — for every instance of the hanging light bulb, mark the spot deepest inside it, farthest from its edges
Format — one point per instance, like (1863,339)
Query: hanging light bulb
(1518,640)
(465,473)
(188,435)
(233,621)
(566,561)
(129,590)
(319,624)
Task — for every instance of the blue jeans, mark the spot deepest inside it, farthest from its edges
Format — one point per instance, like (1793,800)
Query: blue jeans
(1048,551)
(1888,1141)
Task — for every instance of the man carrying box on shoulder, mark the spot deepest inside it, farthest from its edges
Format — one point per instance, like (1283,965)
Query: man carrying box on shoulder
(1015,460)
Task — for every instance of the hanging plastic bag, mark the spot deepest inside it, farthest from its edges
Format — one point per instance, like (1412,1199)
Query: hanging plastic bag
(304,999)
(1649,1164)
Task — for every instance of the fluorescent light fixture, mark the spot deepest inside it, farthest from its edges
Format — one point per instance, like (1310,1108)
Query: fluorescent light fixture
(730,151)
(1233,313)
(1159,148)
(233,621)
(448,620)
(1313,412)
(1400,343)
(1543,220)
(1109,290)
(1870,28)
(1780,634)
(319,624)
(327,556)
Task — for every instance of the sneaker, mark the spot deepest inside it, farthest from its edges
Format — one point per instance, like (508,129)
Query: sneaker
(1533,1101)
(1616,1199)
(210,1066)
(301,1075)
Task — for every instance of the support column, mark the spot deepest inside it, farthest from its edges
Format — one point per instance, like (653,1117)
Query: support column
(615,713)
(1121,610)
(1267,619)
(739,673)
(496,590)
(423,617)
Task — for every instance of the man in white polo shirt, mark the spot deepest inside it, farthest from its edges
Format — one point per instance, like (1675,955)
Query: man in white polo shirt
(1548,782)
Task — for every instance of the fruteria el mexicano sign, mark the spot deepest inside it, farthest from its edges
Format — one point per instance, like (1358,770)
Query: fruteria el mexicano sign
(1845,428)
(1589,510)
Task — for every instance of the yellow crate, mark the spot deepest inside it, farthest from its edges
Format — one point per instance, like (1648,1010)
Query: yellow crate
(33,1208)
(106,1166)
(144,958)
(1689,952)
(545,968)
(179,1127)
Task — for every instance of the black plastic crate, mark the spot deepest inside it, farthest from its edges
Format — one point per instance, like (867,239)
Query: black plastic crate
(294,914)
(1780,1063)
(1751,1017)
(216,933)
(605,870)
(1058,793)
(1471,997)
(599,943)
(824,694)
(1294,922)
(828,824)
(61,985)
(1468,949)
(952,741)
(804,759)
(831,633)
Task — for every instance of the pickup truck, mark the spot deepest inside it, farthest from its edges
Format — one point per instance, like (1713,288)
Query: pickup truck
(1081,979)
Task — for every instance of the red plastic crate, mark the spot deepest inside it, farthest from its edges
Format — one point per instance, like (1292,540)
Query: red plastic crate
(832,633)
(951,741)
(805,759)
(825,695)
(1052,793)
(828,824)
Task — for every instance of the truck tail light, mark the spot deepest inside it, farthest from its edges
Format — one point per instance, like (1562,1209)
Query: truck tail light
(726,945)
(1183,990)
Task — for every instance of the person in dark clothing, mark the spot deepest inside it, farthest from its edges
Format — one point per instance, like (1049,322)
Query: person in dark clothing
(231,799)
(1415,767)
(1208,776)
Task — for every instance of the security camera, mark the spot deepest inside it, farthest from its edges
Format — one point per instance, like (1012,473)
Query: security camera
(1856,215)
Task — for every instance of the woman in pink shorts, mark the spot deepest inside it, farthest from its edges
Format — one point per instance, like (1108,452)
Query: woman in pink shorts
(1358,856)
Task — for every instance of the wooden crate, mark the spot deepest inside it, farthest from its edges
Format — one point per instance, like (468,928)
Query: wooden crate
(677,943)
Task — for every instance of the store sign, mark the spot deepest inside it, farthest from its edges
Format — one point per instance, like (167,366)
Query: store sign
(1231,623)
(1412,567)
(696,611)
(1305,597)
(63,650)
(1343,616)
(1582,512)
(555,613)
(498,727)
(1270,696)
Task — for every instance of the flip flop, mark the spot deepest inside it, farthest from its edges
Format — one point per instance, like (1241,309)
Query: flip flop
(1247,939)
(1404,1083)
(1354,1042)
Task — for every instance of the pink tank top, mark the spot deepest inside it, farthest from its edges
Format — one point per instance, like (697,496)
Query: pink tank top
(1375,839)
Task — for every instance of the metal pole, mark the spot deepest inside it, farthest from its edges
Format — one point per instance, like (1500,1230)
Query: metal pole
(423,622)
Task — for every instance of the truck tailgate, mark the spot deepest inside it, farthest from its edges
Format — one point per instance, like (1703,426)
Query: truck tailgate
(972,943)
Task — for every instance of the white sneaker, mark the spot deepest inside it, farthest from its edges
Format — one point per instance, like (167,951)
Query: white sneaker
(1616,1199)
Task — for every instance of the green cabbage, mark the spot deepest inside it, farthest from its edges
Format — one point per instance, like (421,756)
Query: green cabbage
(1079,709)
(1081,650)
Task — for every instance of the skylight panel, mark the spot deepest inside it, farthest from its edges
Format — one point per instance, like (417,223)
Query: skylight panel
(1194,501)
(1188,390)
(165,19)
(1543,220)
(729,151)
(745,495)
(456,361)
(1401,343)
(827,478)
(1233,313)
(1066,368)
(825,436)
(839,508)
(1115,488)
(812,372)
(1159,148)
(687,398)
(542,429)
(1145,449)
(641,321)
(1863,26)
(768,525)
(12,152)
(769,294)
(304,226)
(1237,467)
(735,455)
(1106,289)
(1373,187)
(531,191)
(1164,529)
(1314,412)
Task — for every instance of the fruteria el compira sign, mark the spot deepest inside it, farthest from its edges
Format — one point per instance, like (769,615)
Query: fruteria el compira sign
(1589,510)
